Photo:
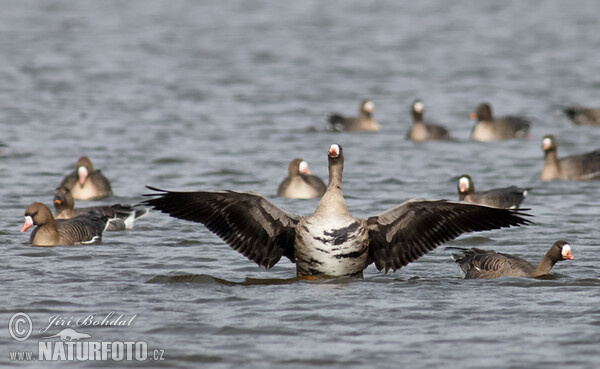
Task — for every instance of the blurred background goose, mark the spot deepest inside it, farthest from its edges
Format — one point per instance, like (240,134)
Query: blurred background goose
(487,128)
(85,183)
(575,167)
(364,122)
(421,131)
(300,183)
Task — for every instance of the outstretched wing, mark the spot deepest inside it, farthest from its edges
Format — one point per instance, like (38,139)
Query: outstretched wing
(408,231)
(249,223)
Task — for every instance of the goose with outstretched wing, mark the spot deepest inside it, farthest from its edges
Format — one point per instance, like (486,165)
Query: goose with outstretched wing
(331,242)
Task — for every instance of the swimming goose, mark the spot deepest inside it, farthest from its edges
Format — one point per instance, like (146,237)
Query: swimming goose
(489,129)
(300,183)
(85,183)
(575,167)
(421,131)
(364,122)
(482,264)
(330,242)
(120,217)
(51,232)
(506,197)
(583,116)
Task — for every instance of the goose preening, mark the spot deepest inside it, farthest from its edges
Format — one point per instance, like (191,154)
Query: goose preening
(364,122)
(575,167)
(583,116)
(421,131)
(51,232)
(331,242)
(488,128)
(85,183)
(120,217)
(300,183)
(506,197)
(486,264)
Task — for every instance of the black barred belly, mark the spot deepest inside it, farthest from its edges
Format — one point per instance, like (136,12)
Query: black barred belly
(339,250)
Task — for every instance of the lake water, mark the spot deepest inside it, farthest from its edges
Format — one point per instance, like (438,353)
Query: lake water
(218,95)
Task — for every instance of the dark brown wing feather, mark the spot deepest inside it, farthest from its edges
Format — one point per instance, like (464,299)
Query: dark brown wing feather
(249,223)
(81,229)
(406,232)
(477,263)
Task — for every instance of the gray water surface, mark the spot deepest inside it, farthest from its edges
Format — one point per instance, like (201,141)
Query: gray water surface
(218,95)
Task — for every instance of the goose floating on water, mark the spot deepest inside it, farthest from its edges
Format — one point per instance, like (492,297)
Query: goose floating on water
(85,183)
(488,128)
(507,197)
(121,217)
(300,183)
(364,122)
(331,242)
(486,264)
(575,167)
(421,131)
(51,232)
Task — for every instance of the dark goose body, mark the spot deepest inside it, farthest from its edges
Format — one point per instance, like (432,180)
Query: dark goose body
(120,217)
(575,167)
(583,116)
(51,232)
(486,264)
(330,242)
(85,183)
(488,128)
(364,122)
(507,197)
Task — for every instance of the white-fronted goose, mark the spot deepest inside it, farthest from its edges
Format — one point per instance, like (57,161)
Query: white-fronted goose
(421,131)
(85,183)
(331,242)
(51,232)
(300,183)
(575,167)
(583,116)
(506,197)
(487,128)
(482,264)
(364,122)
(120,217)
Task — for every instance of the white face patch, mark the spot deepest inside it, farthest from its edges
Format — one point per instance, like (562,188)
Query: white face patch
(28,220)
(83,173)
(566,251)
(334,150)
(464,184)
(418,107)
(303,167)
(369,106)
(546,143)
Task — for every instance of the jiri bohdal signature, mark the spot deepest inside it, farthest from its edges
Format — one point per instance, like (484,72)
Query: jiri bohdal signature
(110,319)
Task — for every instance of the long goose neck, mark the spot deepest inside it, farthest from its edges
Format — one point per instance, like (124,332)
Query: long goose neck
(333,199)
(551,159)
(417,117)
(546,263)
